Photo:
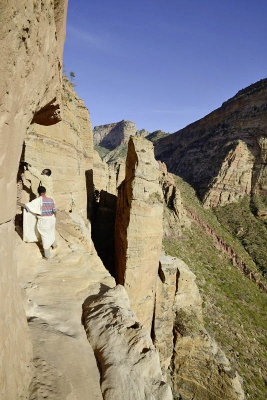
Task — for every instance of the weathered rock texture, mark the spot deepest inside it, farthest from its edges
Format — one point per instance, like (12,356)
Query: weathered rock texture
(138,228)
(173,202)
(64,365)
(173,275)
(222,155)
(107,176)
(197,366)
(67,149)
(164,313)
(129,364)
(32,35)
(112,135)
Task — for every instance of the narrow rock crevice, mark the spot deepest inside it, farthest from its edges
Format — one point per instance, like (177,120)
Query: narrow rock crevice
(103,228)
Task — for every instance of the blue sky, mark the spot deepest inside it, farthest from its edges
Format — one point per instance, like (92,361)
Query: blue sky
(163,63)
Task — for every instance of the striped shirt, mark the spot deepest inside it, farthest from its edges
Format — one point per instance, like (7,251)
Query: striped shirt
(48,206)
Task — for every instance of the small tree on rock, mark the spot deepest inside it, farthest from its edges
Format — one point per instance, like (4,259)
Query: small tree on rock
(72,75)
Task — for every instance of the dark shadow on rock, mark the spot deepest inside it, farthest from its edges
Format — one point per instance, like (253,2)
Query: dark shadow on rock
(103,289)
(21,188)
(101,212)
(103,228)
(89,179)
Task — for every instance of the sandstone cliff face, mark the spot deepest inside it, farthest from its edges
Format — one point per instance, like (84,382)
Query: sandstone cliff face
(222,155)
(189,357)
(32,36)
(138,228)
(236,170)
(64,364)
(128,361)
(173,202)
(107,176)
(30,90)
(112,135)
(67,149)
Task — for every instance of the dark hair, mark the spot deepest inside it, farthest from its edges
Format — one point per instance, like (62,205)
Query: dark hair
(41,190)
(48,171)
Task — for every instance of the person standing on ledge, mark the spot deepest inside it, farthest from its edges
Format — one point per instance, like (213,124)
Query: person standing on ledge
(45,178)
(39,220)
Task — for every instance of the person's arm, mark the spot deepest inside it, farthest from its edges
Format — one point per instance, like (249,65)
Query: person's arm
(54,210)
(22,205)
(34,172)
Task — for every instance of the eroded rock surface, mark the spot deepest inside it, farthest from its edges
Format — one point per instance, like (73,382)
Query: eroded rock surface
(235,174)
(173,202)
(67,149)
(129,364)
(222,155)
(107,176)
(194,363)
(164,313)
(64,364)
(32,35)
(112,135)
(138,228)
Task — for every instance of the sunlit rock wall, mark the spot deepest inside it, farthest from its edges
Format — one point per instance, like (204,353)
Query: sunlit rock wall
(138,228)
(32,34)
(67,149)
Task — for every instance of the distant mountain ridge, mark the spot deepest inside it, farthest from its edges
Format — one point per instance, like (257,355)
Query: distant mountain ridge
(223,155)
(112,135)
(113,138)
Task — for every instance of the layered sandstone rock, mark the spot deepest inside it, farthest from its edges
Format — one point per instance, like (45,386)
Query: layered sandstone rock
(106,179)
(173,200)
(67,149)
(64,364)
(112,135)
(196,365)
(138,229)
(129,364)
(164,313)
(260,179)
(32,33)
(32,36)
(235,173)
(222,155)
(107,176)
(175,283)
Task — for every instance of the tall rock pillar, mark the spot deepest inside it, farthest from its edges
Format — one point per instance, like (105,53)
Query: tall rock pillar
(138,228)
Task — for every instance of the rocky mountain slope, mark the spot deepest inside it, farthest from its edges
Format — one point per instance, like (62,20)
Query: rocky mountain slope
(112,135)
(67,149)
(233,305)
(111,140)
(223,155)
(176,298)
(224,246)
(110,315)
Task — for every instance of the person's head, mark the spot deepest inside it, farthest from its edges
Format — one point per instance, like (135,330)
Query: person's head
(46,171)
(41,190)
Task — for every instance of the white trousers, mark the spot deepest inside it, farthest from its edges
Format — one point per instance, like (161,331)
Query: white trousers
(46,228)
